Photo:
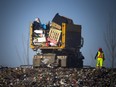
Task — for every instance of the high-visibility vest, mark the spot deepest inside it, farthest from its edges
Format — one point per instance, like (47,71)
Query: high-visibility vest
(100,55)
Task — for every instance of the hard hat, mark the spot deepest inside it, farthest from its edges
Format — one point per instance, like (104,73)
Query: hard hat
(100,49)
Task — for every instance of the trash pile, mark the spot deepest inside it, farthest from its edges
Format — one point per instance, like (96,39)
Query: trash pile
(57,77)
(50,34)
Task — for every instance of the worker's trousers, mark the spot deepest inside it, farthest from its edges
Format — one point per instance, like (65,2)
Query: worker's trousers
(99,62)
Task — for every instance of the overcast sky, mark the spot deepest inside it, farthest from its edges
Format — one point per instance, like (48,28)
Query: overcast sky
(16,16)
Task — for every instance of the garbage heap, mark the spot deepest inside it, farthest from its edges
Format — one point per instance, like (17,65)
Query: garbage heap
(51,34)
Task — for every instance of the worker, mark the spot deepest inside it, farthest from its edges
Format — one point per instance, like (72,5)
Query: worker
(100,58)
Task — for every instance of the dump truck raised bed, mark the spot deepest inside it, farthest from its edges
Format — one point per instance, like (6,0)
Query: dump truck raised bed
(59,44)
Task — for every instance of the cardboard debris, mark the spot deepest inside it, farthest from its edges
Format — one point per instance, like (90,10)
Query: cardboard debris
(55,25)
(54,35)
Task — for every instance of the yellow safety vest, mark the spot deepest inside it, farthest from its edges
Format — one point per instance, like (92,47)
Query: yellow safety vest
(100,55)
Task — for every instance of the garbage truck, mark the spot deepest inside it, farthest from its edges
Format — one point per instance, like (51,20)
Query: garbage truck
(57,45)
